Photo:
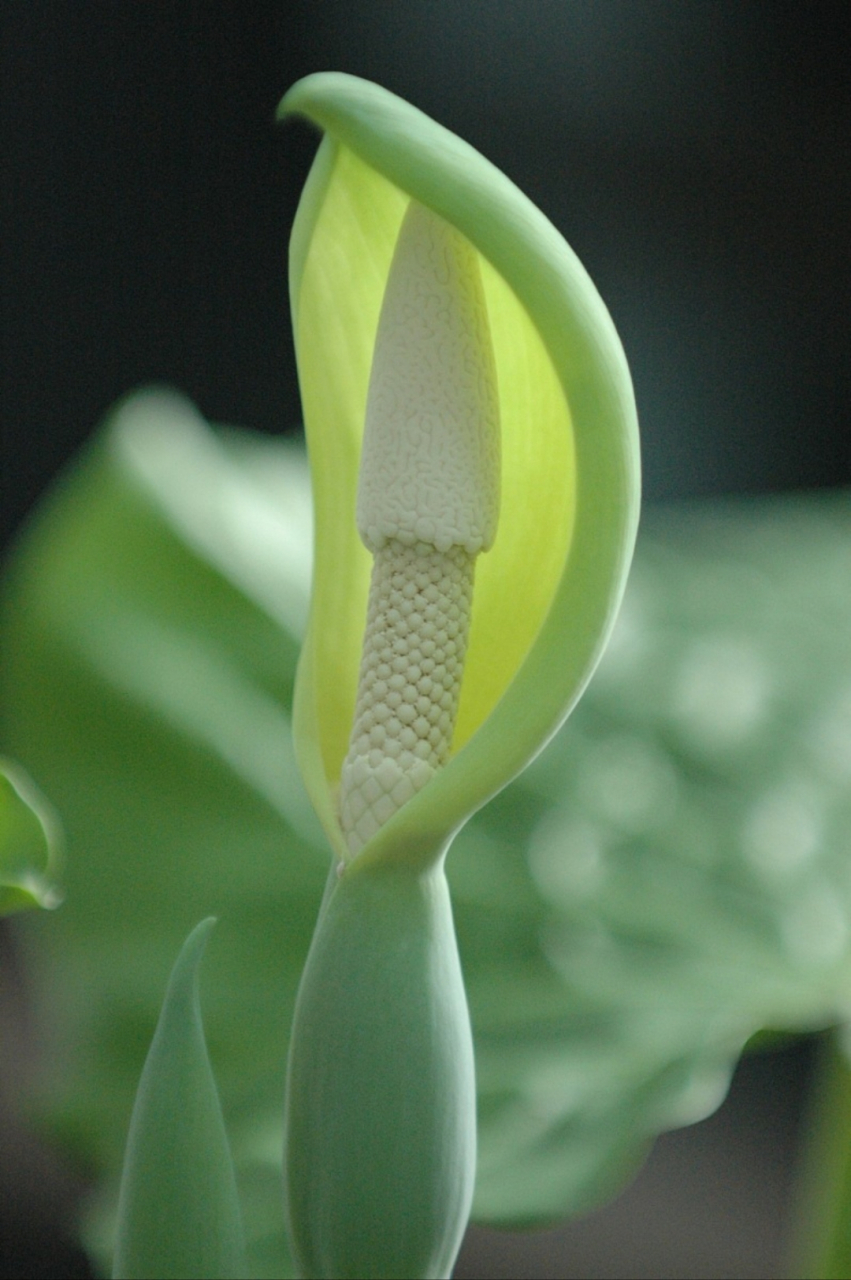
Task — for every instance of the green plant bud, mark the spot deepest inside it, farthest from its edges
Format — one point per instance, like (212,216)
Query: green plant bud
(380,1113)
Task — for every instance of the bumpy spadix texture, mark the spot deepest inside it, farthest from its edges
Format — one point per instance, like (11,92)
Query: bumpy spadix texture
(430,462)
(428,503)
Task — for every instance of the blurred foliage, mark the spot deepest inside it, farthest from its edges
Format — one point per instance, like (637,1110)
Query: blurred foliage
(670,876)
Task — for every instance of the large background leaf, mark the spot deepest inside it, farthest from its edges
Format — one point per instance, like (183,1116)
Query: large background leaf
(669,876)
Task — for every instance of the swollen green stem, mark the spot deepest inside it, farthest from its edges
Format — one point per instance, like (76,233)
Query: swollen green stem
(380,1150)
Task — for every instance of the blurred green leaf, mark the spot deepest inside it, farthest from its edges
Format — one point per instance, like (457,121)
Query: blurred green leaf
(178,1211)
(684,846)
(29,843)
(669,877)
(151,652)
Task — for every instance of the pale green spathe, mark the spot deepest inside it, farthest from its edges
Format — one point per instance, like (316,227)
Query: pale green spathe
(547,594)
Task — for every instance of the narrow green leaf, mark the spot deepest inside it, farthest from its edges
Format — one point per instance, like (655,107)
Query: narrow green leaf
(29,839)
(178,1213)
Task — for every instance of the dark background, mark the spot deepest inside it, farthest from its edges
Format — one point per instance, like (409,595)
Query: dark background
(694,152)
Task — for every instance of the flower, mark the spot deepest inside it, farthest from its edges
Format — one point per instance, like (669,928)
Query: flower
(547,593)
(464,392)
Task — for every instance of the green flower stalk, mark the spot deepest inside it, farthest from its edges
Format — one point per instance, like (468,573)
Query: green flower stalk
(473,445)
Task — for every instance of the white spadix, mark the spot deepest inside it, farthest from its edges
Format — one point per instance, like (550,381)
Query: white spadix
(428,503)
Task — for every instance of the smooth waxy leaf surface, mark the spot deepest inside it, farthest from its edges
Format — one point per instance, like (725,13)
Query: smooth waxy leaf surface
(671,875)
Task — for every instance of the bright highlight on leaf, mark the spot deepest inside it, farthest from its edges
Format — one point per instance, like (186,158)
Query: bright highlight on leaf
(547,592)
(29,843)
